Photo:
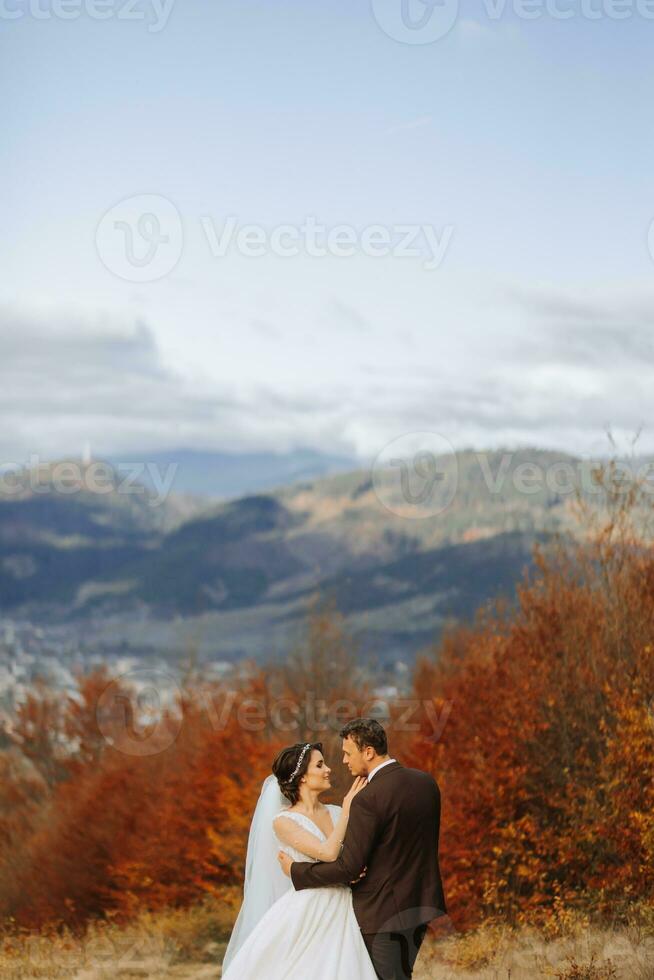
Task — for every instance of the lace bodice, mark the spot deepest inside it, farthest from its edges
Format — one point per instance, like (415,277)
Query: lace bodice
(306,824)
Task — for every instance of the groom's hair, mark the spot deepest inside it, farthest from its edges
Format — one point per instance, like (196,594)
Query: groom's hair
(366,732)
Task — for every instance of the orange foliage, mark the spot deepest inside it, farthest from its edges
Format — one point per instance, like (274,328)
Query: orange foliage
(190,837)
(126,831)
(546,762)
(545,757)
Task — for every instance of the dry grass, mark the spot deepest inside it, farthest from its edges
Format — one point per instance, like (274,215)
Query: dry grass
(570,949)
(185,943)
(189,943)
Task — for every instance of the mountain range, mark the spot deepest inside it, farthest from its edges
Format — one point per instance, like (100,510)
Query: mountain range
(235,577)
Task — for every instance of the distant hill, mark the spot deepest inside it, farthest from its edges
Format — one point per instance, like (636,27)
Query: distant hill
(235,578)
(229,475)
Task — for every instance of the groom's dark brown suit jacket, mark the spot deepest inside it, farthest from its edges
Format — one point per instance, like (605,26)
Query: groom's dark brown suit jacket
(393,831)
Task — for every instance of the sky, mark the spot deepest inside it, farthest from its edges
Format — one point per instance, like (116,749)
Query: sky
(261,226)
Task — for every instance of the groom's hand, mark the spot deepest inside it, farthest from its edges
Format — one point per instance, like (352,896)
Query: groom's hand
(285,862)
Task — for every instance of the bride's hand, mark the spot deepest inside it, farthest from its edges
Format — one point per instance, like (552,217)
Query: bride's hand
(361,876)
(356,787)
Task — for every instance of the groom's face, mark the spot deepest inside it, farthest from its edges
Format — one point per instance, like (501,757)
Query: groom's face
(355,758)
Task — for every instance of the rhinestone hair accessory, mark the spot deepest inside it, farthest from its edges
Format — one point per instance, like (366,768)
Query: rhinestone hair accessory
(299,762)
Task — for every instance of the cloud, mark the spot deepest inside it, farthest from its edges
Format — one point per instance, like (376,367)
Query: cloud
(469,28)
(474,32)
(409,124)
(65,381)
(574,366)
(265,329)
(75,351)
(348,317)
(567,369)
(609,306)
(600,333)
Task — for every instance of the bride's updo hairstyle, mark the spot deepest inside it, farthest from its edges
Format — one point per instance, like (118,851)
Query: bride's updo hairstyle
(290,766)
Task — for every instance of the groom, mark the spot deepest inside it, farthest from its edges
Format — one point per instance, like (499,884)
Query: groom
(393,833)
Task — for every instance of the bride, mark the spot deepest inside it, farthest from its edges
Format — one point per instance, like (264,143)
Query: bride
(280,933)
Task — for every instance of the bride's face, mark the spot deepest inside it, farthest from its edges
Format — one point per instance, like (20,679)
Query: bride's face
(317,775)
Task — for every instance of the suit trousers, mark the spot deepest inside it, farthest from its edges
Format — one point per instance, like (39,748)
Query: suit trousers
(394,954)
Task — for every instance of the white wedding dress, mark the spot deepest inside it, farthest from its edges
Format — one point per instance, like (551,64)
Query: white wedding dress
(311,934)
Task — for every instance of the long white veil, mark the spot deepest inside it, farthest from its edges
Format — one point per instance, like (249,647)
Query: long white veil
(265,882)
